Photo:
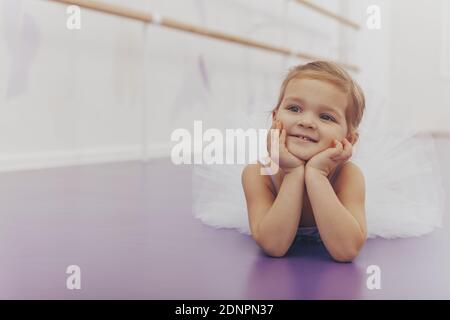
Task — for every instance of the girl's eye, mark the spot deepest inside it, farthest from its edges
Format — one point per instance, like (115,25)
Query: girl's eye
(327,117)
(294,108)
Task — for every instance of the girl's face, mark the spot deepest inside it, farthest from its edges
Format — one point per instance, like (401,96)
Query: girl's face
(315,109)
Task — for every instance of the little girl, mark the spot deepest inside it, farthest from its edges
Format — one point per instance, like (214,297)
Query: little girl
(314,191)
(308,190)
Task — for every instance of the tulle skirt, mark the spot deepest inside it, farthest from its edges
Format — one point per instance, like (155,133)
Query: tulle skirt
(404,192)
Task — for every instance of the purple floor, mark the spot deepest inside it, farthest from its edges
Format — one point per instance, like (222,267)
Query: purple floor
(130,228)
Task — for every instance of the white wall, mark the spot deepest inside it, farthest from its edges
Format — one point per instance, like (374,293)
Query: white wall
(420,91)
(77,96)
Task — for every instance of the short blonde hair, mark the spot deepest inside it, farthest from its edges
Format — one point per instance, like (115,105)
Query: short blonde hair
(332,73)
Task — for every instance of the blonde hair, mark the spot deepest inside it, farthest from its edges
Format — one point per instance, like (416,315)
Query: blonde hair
(332,73)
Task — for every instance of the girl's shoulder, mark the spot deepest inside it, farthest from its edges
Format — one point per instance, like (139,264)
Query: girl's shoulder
(253,173)
(349,175)
(349,165)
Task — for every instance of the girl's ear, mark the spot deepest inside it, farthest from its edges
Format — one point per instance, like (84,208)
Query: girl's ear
(274,114)
(353,137)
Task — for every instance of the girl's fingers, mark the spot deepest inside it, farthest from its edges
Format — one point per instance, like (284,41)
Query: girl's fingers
(274,133)
(275,126)
(348,148)
(339,147)
(345,151)
(282,138)
(337,152)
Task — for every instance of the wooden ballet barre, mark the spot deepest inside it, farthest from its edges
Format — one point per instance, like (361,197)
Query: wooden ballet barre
(440,134)
(173,24)
(330,14)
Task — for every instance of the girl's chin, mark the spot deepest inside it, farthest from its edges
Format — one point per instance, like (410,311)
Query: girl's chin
(303,156)
(303,153)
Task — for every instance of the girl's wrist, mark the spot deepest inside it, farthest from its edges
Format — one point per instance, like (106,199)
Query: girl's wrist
(300,170)
(313,170)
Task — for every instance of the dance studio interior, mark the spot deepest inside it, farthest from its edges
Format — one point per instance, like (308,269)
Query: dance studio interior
(110,109)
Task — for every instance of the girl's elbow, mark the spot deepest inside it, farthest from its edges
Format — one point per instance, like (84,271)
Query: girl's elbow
(271,247)
(344,258)
(349,254)
(275,254)
(273,251)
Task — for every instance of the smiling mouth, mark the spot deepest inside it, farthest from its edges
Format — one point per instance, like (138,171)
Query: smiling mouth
(304,138)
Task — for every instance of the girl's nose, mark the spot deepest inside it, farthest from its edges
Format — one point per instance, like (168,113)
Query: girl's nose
(306,121)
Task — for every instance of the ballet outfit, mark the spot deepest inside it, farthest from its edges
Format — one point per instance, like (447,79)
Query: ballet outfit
(404,190)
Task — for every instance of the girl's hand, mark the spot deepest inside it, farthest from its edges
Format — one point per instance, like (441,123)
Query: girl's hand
(285,160)
(327,160)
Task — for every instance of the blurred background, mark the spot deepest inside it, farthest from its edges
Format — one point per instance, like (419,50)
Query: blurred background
(116,88)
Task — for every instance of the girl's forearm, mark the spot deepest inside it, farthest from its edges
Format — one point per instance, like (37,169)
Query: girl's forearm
(339,230)
(278,228)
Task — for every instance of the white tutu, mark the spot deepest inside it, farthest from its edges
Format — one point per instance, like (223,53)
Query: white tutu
(404,193)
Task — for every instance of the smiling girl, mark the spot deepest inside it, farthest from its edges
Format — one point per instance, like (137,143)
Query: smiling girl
(318,193)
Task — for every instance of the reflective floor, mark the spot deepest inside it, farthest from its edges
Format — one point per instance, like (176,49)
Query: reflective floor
(130,228)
